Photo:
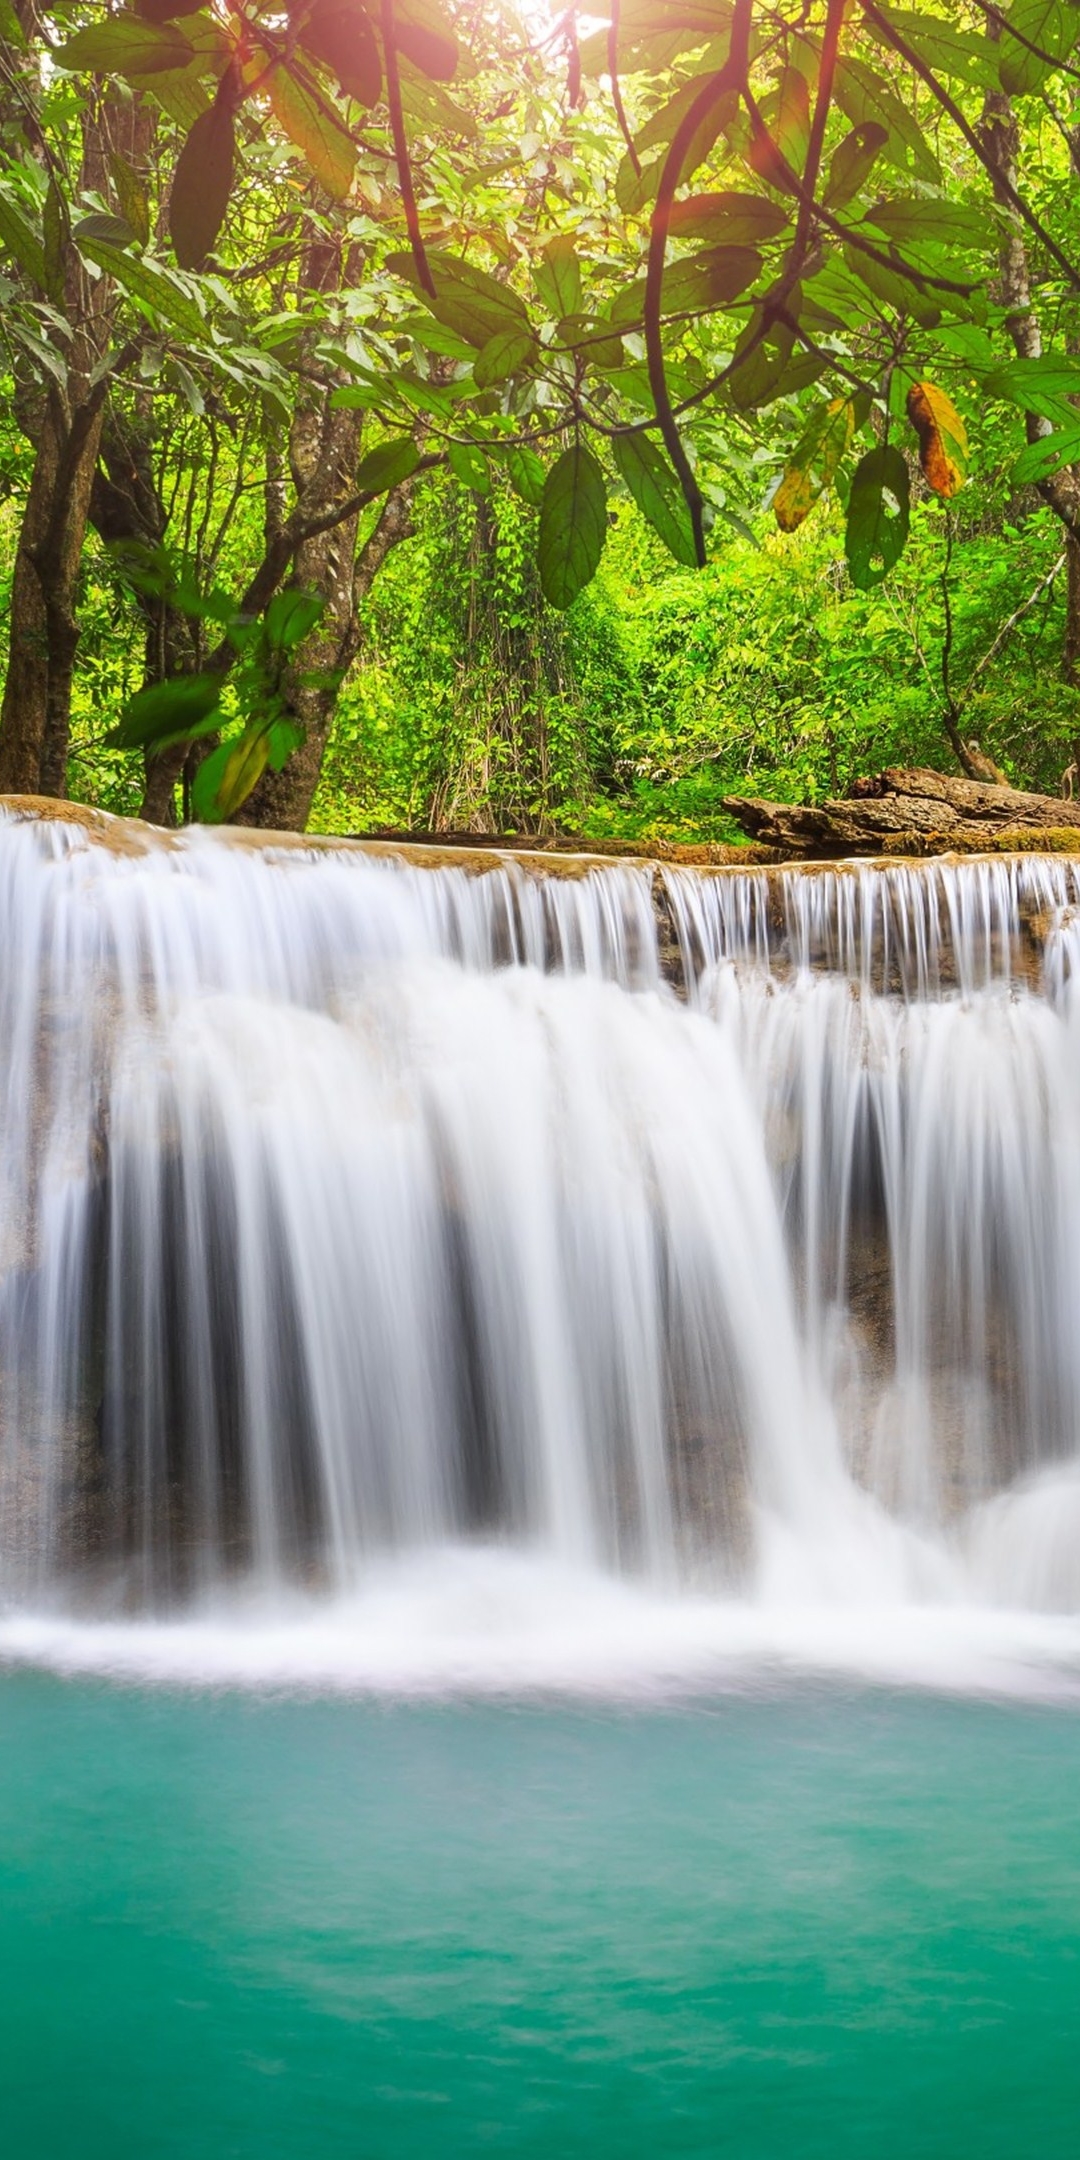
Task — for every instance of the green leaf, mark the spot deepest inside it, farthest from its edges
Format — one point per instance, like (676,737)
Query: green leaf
(291,617)
(1043,385)
(950,51)
(152,288)
(385,467)
(915,220)
(101,225)
(813,463)
(282,738)
(124,45)
(852,161)
(655,488)
(20,241)
(728,217)
(696,284)
(185,706)
(1047,456)
(470,466)
(425,35)
(592,339)
(323,141)
(226,778)
(573,525)
(557,277)
(163,11)
(467,300)
(863,95)
(433,110)
(508,353)
(1051,25)
(202,183)
(526,474)
(343,39)
(878,517)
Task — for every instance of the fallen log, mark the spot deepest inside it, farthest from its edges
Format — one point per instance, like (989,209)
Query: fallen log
(913,812)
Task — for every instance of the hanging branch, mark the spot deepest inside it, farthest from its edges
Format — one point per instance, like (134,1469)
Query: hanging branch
(401,151)
(616,92)
(1000,22)
(732,76)
(949,105)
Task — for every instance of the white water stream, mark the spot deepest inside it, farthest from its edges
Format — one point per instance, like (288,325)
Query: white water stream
(393,1252)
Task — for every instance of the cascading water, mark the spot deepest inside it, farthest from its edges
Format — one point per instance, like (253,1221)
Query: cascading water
(357,1210)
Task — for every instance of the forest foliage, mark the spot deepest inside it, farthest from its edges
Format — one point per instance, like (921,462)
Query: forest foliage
(439,415)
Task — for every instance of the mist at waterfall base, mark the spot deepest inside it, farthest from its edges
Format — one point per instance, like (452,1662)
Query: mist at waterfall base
(539,1506)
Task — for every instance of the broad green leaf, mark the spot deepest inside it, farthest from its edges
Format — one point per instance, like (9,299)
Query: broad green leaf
(226,778)
(863,95)
(573,525)
(433,110)
(1047,456)
(915,220)
(20,241)
(425,35)
(124,45)
(342,38)
(943,444)
(170,710)
(878,516)
(131,196)
(893,289)
(154,290)
(1044,385)
(635,189)
(786,113)
(385,467)
(557,277)
(202,183)
(470,466)
(813,463)
(101,225)
(693,285)
(467,300)
(282,738)
(291,617)
(526,473)
(728,218)
(593,340)
(852,161)
(645,471)
(760,364)
(949,50)
(1051,26)
(508,353)
(323,141)
(163,11)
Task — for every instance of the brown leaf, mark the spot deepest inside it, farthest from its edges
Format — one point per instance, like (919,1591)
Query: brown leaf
(943,444)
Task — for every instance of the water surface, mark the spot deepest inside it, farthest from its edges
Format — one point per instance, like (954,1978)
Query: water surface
(837,1923)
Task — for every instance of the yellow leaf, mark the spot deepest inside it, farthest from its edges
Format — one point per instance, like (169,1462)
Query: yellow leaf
(324,142)
(943,444)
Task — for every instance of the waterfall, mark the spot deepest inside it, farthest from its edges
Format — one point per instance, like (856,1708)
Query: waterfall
(713,1230)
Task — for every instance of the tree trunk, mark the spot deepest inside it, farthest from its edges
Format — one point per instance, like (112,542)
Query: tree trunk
(23,712)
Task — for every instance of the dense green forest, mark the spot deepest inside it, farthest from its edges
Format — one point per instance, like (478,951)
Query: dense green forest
(459,418)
